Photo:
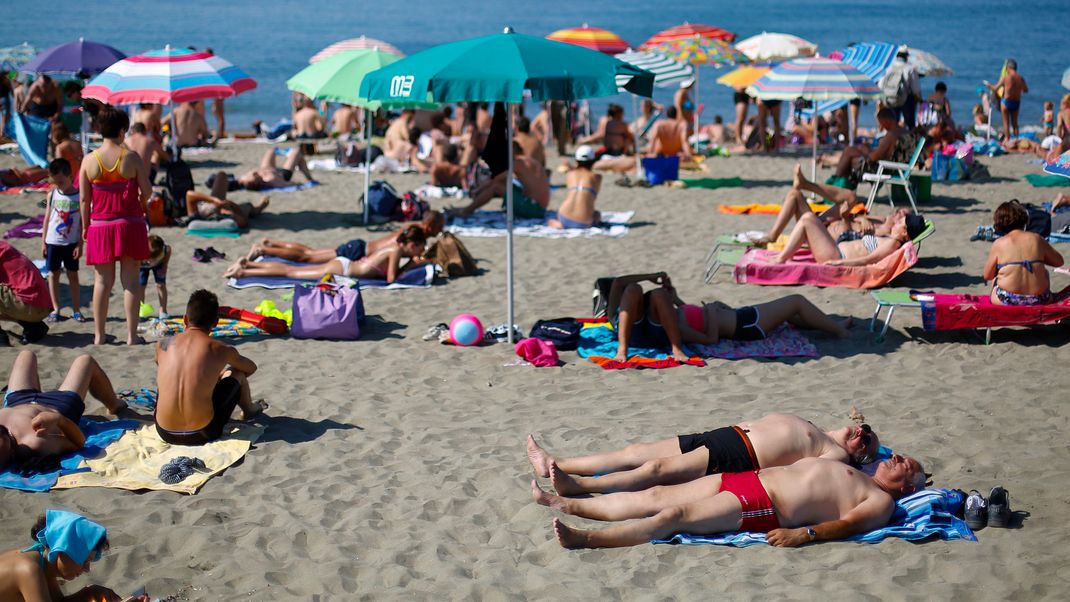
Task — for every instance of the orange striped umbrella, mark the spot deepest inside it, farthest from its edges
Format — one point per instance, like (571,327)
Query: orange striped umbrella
(688,30)
(592,38)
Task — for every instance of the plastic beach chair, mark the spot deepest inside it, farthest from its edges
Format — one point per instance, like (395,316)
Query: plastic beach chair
(894,174)
(891,300)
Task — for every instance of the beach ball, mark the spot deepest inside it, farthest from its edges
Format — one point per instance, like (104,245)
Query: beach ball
(466,330)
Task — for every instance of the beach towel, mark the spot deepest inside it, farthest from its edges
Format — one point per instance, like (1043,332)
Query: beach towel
(32,135)
(755,268)
(1046,181)
(952,312)
(30,228)
(784,341)
(924,514)
(713,183)
(764,208)
(292,187)
(492,224)
(195,150)
(134,461)
(415,278)
(598,343)
(1057,237)
(99,434)
(38,187)
(333,165)
(428,191)
(225,227)
(226,328)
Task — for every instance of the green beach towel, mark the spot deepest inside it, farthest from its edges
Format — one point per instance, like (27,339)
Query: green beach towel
(1046,181)
(713,183)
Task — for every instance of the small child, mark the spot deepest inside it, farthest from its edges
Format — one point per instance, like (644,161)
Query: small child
(159,258)
(61,237)
(1049,118)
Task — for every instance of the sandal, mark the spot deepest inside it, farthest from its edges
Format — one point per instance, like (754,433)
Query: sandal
(53,317)
(78,317)
(212,253)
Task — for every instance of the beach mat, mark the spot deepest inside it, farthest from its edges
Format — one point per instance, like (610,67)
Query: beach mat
(784,341)
(713,183)
(755,268)
(415,278)
(133,462)
(99,434)
(764,208)
(492,224)
(291,188)
(30,228)
(38,187)
(32,134)
(1046,181)
(598,343)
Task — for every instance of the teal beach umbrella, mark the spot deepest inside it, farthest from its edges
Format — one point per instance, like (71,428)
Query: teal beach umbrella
(500,68)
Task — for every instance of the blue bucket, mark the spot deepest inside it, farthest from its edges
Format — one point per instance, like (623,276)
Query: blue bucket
(661,169)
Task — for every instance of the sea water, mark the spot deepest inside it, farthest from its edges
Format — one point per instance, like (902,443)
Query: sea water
(272,40)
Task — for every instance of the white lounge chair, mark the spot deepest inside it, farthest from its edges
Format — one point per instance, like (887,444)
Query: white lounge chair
(894,174)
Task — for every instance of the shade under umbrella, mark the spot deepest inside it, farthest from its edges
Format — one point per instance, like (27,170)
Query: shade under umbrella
(592,38)
(688,30)
(361,43)
(80,56)
(667,72)
(168,75)
(927,63)
(774,47)
(14,57)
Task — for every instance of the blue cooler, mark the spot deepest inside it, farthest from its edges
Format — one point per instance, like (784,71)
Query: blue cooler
(661,169)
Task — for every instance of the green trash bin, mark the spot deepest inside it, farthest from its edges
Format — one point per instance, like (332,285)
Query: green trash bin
(923,190)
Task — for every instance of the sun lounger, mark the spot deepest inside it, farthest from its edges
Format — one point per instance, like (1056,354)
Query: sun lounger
(953,312)
(891,300)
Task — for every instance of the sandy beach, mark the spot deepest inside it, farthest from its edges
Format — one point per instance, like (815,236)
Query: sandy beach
(395,468)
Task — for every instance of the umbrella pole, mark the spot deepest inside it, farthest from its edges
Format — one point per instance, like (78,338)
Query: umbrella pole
(174,133)
(84,129)
(813,159)
(638,156)
(367,161)
(697,69)
(509,220)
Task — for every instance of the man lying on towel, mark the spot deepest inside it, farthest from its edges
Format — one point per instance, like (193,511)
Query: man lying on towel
(36,424)
(815,499)
(772,440)
(201,380)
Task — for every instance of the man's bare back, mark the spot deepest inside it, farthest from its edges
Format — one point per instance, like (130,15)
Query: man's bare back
(191,126)
(532,147)
(308,122)
(782,439)
(533,177)
(667,138)
(1013,85)
(190,364)
(146,147)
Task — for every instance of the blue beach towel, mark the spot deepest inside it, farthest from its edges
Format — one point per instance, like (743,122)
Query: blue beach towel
(32,135)
(98,435)
(291,188)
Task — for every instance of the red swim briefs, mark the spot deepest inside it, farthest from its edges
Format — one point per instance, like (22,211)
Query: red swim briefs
(758,512)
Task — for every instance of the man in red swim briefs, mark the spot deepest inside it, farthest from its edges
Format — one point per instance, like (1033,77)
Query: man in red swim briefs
(813,499)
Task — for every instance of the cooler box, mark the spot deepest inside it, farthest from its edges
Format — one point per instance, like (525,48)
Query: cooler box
(661,169)
(923,190)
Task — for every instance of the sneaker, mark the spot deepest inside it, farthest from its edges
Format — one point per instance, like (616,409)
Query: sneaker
(435,332)
(976,513)
(212,253)
(999,508)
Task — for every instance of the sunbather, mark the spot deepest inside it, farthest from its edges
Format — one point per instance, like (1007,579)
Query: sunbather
(384,264)
(1015,257)
(267,175)
(582,184)
(897,144)
(816,500)
(432,225)
(211,206)
(772,440)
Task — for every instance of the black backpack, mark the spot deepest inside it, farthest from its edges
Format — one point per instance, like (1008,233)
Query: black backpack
(564,333)
(177,181)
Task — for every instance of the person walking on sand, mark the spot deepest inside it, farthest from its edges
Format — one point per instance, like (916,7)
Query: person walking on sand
(1013,85)
(200,379)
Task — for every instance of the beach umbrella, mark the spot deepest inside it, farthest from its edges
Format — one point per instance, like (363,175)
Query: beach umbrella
(667,73)
(927,63)
(500,68)
(871,58)
(361,43)
(1066,78)
(814,79)
(592,38)
(741,77)
(697,50)
(14,57)
(774,47)
(686,31)
(80,56)
(1060,166)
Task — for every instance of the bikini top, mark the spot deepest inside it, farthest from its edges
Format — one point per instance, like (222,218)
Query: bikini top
(110,175)
(583,188)
(1025,263)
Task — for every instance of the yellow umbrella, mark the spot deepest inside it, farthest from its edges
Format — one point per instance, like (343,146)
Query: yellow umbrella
(742,77)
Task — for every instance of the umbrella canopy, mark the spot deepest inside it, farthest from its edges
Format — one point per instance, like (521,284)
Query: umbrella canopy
(14,57)
(927,63)
(700,51)
(871,58)
(814,79)
(337,78)
(81,56)
(688,30)
(1066,79)
(361,43)
(592,38)
(168,75)
(498,68)
(774,47)
(667,72)
(741,77)
(1060,166)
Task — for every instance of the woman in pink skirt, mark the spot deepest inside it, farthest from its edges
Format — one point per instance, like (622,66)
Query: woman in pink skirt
(114,191)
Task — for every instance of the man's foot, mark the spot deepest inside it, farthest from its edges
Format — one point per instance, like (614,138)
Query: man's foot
(259,207)
(568,537)
(798,179)
(564,483)
(540,460)
(258,408)
(543,498)
(254,252)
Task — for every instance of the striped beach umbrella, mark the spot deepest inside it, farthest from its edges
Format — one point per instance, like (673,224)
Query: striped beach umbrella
(168,75)
(871,58)
(774,47)
(700,51)
(361,43)
(928,63)
(741,77)
(667,72)
(688,30)
(593,38)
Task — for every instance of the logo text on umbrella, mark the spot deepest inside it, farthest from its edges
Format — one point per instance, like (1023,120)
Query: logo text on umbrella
(401,85)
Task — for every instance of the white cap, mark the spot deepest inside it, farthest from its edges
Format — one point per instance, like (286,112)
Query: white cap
(585,153)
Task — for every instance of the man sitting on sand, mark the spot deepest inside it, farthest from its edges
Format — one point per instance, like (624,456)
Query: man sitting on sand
(668,137)
(531,189)
(191,129)
(267,175)
(216,205)
(37,424)
(396,143)
(772,440)
(816,500)
(201,380)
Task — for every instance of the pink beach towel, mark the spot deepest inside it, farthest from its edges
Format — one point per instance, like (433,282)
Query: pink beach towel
(951,312)
(755,268)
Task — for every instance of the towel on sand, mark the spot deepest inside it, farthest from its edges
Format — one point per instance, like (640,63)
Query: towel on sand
(415,278)
(764,208)
(291,187)
(755,268)
(951,312)
(492,223)
(784,341)
(226,327)
(1046,181)
(924,514)
(598,343)
(713,183)
(99,434)
(134,461)
(40,186)
(30,228)
(32,134)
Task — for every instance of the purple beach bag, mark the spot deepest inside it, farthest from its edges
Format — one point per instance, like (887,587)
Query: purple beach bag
(327,311)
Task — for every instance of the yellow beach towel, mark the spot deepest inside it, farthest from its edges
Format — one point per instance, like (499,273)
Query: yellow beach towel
(133,462)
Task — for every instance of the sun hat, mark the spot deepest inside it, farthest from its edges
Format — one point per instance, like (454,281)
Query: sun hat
(585,152)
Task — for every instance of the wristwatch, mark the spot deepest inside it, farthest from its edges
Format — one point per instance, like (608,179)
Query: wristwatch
(811,533)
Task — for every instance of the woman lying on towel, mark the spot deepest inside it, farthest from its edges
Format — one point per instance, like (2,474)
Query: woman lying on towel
(1016,263)
(384,264)
(869,249)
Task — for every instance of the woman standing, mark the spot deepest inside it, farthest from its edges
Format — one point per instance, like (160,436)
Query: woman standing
(114,227)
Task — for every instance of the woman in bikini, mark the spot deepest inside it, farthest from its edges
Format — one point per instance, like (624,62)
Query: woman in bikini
(1016,263)
(577,210)
(114,221)
(384,264)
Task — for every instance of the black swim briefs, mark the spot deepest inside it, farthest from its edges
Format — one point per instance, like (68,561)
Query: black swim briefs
(730,449)
(747,328)
(68,403)
(225,398)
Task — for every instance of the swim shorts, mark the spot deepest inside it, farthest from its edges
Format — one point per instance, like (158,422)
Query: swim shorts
(352,250)
(225,398)
(159,274)
(524,207)
(729,447)
(61,257)
(747,328)
(740,97)
(1010,105)
(759,515)
(68,403)
(287,174)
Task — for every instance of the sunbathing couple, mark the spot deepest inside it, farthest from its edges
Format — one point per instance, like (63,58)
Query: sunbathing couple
(378,259)
(660,319)
(779,475)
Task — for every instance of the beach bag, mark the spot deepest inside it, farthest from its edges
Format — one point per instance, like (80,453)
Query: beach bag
(177,181)
(1039,220)
(539,353)
(411,208)
(600,296)
(382,200)
(894,88)
(564,333)
(158,210)
(450,254)
(327,311)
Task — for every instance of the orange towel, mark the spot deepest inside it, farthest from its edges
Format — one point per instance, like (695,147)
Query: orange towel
(765,208)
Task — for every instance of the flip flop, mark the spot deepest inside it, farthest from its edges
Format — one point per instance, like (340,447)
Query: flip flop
(53,318)
(78,317)
(212,253)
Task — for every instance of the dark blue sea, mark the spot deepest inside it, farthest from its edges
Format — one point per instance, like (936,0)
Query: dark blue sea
(272,40)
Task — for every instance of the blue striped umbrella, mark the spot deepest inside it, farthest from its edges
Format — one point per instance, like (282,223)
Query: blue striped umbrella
(871,58)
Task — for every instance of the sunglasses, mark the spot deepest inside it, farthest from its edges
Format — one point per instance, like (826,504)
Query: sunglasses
(867,435)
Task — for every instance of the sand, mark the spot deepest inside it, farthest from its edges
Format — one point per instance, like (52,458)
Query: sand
(395,468)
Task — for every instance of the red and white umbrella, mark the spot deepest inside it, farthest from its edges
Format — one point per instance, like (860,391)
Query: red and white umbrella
(360,43)
(168,75)
(686,31)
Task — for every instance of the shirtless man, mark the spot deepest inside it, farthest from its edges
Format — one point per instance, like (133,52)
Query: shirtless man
(190,125)
(772,440)
(449,172)
(267,175)
(668,137)
(612,132)
(201,380)
(43,99)
(814,499)
(210,206)
(530,197)
(38,424)
(852,156)
(148,148)
(308,123)
(396,143)
(344,120)
(531,144)
(1014,86)
(149,115)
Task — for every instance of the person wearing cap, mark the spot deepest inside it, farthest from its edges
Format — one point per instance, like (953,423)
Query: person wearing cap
(681,100)
(903,73)
(582,185)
